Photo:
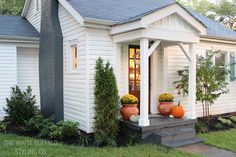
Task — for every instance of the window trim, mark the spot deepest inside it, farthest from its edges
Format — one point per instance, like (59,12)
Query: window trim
(70,45)
(227,60)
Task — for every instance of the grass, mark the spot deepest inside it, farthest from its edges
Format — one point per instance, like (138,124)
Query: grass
(13,145)
(221,139)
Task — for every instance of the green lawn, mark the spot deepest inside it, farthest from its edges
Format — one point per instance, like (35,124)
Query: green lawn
(221,139)
(13,145)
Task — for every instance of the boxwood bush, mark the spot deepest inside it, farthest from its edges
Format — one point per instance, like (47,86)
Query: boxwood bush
(21,105)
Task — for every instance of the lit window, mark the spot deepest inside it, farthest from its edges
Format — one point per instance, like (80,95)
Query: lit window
(74,57)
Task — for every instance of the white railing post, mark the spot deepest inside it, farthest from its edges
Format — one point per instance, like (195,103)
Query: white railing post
(144,72)
(192,84)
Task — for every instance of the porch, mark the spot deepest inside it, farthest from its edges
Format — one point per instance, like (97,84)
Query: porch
(153,34)
(170,132)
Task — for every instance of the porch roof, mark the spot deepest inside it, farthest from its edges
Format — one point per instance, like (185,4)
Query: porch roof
(124,11)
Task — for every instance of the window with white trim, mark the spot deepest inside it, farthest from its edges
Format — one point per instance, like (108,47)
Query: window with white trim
(73,58)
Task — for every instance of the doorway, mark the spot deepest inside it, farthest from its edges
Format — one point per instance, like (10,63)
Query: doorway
(134,72)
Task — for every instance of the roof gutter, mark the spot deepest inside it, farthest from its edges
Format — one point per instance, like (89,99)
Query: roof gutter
(99,21)
(218,39)
(22,39)
(25,8)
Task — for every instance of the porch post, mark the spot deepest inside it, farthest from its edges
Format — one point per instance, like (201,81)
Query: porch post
(144,121)
(192,84)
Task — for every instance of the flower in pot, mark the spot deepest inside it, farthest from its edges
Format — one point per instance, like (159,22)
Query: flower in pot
(165,104)
(129,106)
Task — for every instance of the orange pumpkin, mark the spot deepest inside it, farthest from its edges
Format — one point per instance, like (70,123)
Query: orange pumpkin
(178,111)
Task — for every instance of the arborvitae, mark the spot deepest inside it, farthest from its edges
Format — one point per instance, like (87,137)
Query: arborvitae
(106,105)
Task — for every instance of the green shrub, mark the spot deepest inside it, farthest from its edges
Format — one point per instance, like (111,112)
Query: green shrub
(69,129)
(59,131)
(134,139)
(201,127)
(218,126)
(47,128)
(225,122)
(106,105)
(233,119)
(35,123)
(83,140)
(3,126)
(21,105)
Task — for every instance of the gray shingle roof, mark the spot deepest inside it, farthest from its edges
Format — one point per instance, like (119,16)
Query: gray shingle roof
(116,10)
(213,27)
(122,11)
(15,26)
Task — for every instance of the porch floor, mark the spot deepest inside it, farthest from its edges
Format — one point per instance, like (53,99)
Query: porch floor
(162,130)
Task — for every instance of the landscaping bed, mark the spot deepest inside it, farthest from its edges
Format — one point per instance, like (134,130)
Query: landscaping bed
(216,123)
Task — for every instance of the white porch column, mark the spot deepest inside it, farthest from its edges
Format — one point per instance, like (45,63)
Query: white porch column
(192,84)
(144,121)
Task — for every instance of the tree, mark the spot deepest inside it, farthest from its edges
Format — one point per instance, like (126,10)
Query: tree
(106,105)
(226,13)
(11,7)
(211,82)
(223,11)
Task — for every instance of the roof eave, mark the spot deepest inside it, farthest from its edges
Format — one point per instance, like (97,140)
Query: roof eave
(21,38)
(99,21)
(218,38)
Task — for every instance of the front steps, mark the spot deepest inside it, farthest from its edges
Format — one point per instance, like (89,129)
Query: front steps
(163,130)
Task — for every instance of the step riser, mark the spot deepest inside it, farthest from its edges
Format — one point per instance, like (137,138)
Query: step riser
(148,133)
(180,136)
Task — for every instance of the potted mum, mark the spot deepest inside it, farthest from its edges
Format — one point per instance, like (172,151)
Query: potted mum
(129,106)
(165,104)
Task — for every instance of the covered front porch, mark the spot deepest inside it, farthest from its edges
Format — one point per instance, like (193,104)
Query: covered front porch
(152,34)
(141,48)
(142,73)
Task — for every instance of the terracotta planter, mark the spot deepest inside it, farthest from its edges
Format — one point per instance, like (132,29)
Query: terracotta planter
(165,108)
(128,110)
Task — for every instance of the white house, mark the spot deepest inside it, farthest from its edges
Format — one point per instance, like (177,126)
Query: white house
(147,42)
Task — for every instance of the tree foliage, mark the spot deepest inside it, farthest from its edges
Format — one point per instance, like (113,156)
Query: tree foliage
(106,105)
(11,7)
(223,11)
(211,82)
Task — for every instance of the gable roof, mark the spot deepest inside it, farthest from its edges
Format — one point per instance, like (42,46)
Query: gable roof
(123,11)
(15,27)
(116,10)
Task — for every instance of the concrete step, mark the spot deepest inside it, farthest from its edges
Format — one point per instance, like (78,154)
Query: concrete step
(176,134)
(181,143)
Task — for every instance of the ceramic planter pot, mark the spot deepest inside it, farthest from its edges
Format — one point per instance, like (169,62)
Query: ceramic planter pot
(128,110)
(165,108)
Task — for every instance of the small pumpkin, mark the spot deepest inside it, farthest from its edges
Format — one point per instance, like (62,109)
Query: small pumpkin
(178,111)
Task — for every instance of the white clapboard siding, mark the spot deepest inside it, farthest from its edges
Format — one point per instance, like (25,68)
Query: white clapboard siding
(7,73)
(33,16)
(177,61)
(28,70)
(75,83)
(156,76)
(100,45)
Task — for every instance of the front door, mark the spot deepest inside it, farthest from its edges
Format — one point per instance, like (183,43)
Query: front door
(134,70)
